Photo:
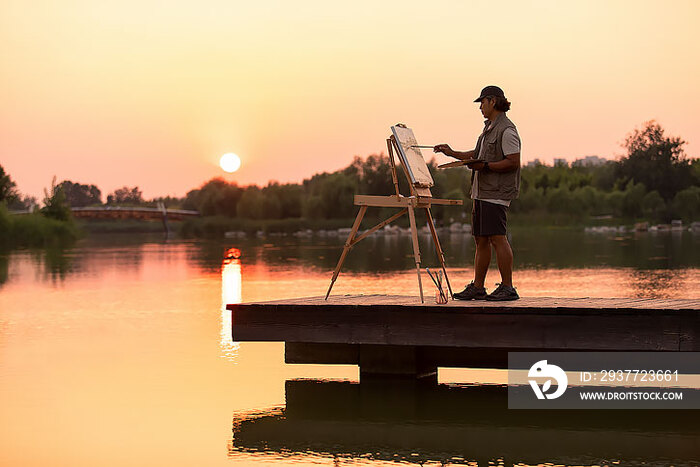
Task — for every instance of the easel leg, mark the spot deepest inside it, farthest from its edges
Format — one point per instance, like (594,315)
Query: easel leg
(438,249)
(416,250)
(378,226)
(348,245)
(394,178)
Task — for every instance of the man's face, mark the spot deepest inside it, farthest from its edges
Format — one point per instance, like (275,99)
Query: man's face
(486,107)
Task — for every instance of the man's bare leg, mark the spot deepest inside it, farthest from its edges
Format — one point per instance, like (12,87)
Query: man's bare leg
(504,257)
(482,258)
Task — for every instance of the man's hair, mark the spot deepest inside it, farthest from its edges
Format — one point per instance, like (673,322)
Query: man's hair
(502,104)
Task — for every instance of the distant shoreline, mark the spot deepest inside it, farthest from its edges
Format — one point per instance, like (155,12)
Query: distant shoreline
(218,227)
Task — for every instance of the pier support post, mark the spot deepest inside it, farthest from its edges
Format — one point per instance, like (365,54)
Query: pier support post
(395,361)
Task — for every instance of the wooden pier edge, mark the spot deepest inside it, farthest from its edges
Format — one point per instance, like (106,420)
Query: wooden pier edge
(398,336)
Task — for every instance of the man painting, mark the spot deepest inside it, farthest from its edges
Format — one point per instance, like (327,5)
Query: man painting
(495,163)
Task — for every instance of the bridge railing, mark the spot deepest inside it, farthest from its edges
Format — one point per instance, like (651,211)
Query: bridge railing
(182,212)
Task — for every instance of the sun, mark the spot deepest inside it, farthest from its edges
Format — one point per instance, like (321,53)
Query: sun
(230,162)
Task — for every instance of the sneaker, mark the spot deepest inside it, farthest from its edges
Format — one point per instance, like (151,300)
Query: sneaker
(503,293)
(471,292)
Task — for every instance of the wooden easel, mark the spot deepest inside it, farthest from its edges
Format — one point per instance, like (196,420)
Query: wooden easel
(420,198)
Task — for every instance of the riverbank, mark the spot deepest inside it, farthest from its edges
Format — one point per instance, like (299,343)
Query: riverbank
(35,230)
(224,227)
(219,227)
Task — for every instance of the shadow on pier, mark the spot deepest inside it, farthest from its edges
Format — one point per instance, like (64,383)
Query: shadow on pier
(386,420)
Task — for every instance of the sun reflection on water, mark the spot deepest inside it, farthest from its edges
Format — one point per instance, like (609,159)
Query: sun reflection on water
(230,293)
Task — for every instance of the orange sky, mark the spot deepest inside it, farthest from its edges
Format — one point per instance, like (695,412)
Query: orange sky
(152,93)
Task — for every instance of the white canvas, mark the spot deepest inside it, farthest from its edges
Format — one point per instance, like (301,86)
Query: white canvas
(412,158)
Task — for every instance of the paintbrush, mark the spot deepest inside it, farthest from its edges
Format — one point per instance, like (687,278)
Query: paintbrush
(432,278)
(420,146)
(442,294)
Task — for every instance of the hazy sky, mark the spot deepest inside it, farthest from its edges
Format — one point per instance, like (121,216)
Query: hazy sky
(152,93)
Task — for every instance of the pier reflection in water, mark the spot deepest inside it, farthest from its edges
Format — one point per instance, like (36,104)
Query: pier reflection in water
(455,424)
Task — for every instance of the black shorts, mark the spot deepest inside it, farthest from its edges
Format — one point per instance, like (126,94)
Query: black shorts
(488,218)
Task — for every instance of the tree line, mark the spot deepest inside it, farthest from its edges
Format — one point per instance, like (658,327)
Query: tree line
(655,180)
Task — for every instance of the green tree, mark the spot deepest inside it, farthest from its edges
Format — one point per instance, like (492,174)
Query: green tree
(686,204)
(125,195)
(458,178)
(78,195)
(632,201)
(592,200)
(251,203)
(271,203)
(8,188)
(22,203)
(216,197)
(329,196)
(530,200)
(615,201)
(542,182)
(172,202)
(282,201)
(55,204)
(603,176)
(653,205)
(5,229)
(373,174)
(656,160)
(695,168)
(313,207)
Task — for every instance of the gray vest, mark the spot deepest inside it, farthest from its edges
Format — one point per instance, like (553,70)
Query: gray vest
(496,185)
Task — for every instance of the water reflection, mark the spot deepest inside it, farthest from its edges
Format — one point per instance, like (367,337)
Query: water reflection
(58,263)
(453,424)
(549,262)
(4,268)
(121,353)
(662,283)
(534,249)
(55,263)
(231,292)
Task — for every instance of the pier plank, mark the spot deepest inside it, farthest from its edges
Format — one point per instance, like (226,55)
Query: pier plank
(350,328)
(544,303)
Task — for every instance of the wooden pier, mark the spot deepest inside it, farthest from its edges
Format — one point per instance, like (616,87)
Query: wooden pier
(388,335)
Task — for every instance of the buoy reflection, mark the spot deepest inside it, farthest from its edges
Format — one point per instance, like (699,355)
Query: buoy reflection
(230,293)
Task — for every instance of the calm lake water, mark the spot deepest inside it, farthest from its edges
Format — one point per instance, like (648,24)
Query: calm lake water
(117,352)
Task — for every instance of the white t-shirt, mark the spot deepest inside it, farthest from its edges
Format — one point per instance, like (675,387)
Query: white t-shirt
(511,145)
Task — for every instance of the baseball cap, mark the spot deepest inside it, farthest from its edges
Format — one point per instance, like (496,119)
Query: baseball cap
(494,91)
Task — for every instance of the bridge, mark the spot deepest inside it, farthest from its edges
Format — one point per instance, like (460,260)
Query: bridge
(119,212)
(127,212)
